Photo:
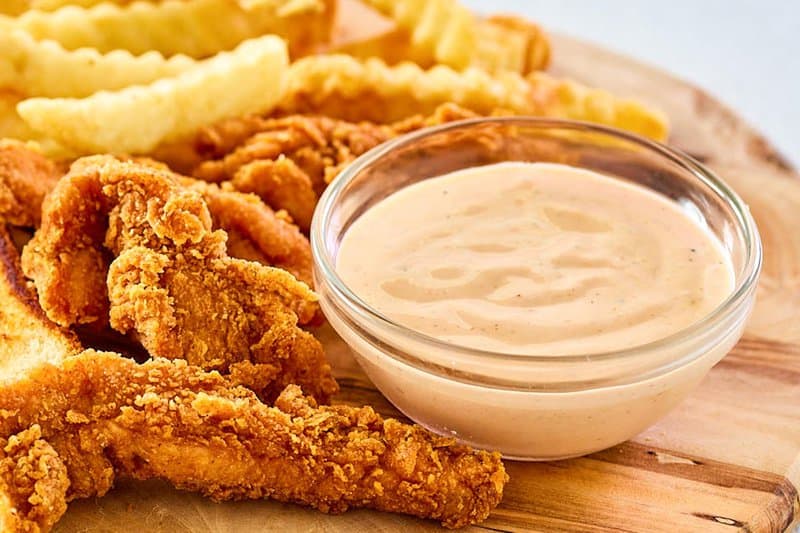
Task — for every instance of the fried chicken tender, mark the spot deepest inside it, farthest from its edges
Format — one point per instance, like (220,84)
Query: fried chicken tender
(107,416)
(319,145)
(132,243)
(26,176)
(256,232)
(288,161)
(33,482)
(281,184)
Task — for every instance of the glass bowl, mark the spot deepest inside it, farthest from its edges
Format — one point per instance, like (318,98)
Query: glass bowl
(533,407)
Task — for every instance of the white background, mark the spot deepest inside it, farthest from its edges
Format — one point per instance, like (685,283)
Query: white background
(744,52)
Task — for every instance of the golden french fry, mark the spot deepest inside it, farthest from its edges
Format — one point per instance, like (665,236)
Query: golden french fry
(344,87)
(52,5)
(510,43)
(136,119)
(445,32)
(45,68)
(197,28)
(14,7)
(11,124)
(13,127)
(439,31)
(392,47)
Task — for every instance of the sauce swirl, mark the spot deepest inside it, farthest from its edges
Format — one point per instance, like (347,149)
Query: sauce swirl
(535,258)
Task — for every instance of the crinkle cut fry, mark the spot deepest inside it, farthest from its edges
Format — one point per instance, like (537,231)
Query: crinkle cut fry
(136,118)
(170,280)
(343,87)
(166,419)
(199,28)
(445,32)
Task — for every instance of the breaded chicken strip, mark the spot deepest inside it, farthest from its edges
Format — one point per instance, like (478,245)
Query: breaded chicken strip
(280,183)
(256,232)
(26,176)
(71,424)
(107,416)
(131,242)
(33,483)
(288,161)
(317,144)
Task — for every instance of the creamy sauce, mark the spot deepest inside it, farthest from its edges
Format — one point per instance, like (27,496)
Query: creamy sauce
(537,259)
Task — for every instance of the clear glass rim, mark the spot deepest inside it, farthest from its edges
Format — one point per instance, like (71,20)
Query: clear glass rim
(333,195)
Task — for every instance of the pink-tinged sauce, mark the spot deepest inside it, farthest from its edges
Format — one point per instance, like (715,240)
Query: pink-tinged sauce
(535,258)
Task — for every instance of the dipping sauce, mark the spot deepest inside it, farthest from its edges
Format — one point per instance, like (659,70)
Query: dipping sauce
(536,259)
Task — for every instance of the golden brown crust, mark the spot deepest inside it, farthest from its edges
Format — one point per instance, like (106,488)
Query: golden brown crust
(315,143)
(281,184)
(256,232)
(26,176)
(287,161)
(107,416)
(161,272)
(28,336)
(33,483)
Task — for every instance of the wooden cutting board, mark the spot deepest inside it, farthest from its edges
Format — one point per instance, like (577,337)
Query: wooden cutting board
(727,459)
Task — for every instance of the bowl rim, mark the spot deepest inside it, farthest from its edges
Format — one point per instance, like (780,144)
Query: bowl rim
(747,228)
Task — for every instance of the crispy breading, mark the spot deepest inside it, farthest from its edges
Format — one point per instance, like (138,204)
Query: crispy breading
(287,161)
(131,242)
(319,145)
(108,416)
(67,262)
(33,482)
(71,423)
(256,232)
(26,176)
(281,184)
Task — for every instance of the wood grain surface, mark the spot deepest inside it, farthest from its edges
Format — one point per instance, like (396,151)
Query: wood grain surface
(727,459)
